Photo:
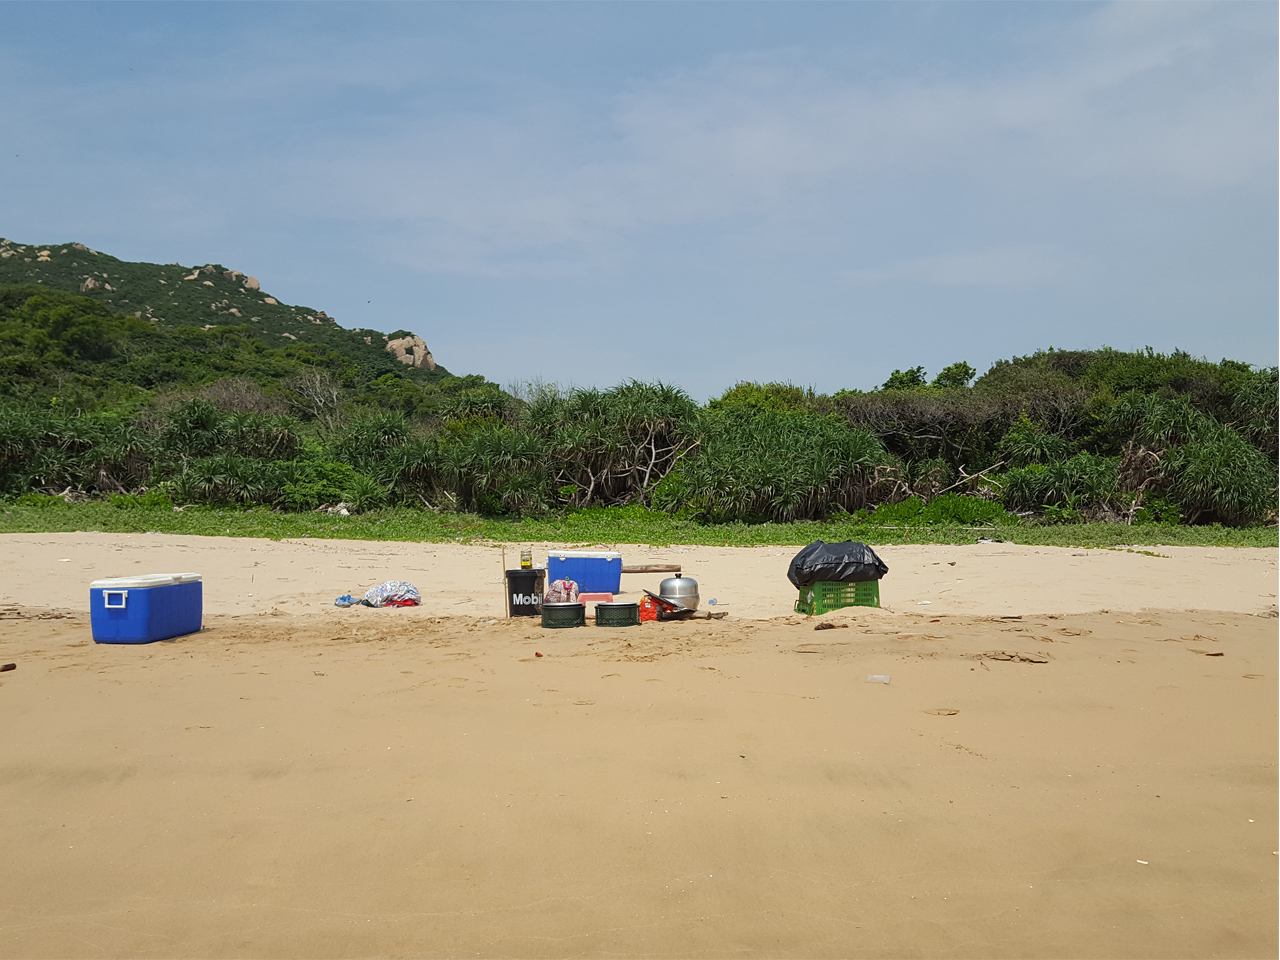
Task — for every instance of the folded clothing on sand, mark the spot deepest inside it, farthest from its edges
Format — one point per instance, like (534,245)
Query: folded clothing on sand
(393,593)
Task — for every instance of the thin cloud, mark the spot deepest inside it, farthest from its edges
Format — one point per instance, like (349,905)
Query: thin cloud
(1150,102)
(1010,267)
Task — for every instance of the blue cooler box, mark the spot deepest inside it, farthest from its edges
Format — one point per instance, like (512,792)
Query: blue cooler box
(144,609)
(593,572)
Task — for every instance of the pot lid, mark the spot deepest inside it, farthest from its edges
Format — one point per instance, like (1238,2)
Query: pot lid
(679,586)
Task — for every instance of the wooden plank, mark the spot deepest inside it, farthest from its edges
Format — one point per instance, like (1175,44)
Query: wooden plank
(652,568)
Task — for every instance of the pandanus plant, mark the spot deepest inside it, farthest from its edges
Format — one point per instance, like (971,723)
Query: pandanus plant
(776,465)
(1254,410)
(1221,477)
(477,467)
(122,457)
(610,447)
(368,439)
(1208,469)
(259,435)
(411,472)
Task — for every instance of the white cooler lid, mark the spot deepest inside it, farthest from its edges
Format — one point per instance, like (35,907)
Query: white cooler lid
(143,581)
(582,555)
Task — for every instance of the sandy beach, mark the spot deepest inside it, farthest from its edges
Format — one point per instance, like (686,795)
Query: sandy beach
(1075,756)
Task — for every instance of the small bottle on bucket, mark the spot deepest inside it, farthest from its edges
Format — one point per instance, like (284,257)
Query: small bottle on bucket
(526,559)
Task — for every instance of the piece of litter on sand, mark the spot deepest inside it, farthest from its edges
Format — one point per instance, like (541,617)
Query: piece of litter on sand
(1143,862)
(877,678)
(67,560)
(924,603)
(537,654)
(5,668)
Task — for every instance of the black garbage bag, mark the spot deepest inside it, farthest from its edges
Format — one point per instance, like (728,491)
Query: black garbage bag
(848,562)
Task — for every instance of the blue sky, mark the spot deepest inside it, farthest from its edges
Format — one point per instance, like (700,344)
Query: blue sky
(699,193)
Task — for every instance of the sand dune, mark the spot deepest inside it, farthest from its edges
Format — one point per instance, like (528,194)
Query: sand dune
(1038,778)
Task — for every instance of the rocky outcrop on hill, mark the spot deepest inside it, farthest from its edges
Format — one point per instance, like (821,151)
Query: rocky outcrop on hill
(412,351)
(174,295)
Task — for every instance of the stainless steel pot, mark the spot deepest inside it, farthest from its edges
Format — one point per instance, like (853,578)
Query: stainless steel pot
(681,590)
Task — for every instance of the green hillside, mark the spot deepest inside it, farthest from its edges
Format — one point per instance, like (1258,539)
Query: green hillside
(172,295)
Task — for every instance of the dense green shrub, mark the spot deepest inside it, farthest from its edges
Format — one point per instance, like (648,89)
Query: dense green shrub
(495,468)
(1221,478)
(107,406)
(965,427)
(1253,409)
(292,484)
(776,465)
(608,447)
(1078,481)
(765,396)
(1209,386)
(1026,443)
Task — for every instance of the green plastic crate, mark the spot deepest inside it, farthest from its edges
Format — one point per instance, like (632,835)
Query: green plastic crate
(825,596)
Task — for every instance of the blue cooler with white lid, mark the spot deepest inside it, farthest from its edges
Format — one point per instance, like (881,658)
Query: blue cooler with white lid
(143,609)
(593,571)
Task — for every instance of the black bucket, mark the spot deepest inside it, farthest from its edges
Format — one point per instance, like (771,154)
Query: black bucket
(617,614)
(558,616)
(524,592)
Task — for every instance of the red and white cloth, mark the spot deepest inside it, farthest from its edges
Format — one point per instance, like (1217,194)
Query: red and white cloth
(562,591)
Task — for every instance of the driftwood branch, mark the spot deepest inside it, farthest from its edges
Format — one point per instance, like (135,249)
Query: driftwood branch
(967,477)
